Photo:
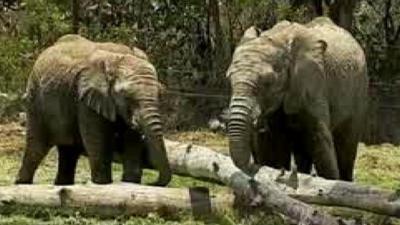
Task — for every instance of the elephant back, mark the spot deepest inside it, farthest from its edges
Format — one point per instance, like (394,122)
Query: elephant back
(57,65)
(122,49)
(342,49)
(60,64)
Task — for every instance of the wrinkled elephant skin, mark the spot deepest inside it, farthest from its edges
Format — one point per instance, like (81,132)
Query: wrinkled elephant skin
(298,89)
(97,99)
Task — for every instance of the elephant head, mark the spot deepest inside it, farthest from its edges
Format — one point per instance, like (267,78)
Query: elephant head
(126,86)
(281,67)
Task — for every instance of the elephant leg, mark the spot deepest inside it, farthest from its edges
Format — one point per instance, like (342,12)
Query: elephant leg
(346,143)
(133,146)
(36,149)
(323,152)
(303,160)
(67,159)
(97,137)
(301,152)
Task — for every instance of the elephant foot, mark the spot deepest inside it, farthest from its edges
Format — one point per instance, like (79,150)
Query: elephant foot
(136,180)
(330,175)
(102,180)
(24,178)
(21,181)
(63,182)
(102,176)
(135,177)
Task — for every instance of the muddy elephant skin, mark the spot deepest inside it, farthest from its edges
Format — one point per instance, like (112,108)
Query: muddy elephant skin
(96,99)
(298,89)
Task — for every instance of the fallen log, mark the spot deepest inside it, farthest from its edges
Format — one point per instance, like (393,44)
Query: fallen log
(131,199)
(201,162)
(117,199)
(269,188)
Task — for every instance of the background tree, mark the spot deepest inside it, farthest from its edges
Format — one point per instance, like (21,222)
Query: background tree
(191,42)
(75,16)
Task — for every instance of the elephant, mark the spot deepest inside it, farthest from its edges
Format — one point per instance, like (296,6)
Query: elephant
(96,99)
(297,89)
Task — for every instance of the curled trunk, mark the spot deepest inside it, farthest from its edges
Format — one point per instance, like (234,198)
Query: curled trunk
(239,130)
(152,128)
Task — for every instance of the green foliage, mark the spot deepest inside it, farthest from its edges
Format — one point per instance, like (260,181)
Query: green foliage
(377,28)
(15,62)
(187,41)
(43,22)
(375,163)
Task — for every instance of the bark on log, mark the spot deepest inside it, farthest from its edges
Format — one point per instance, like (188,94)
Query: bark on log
(117,199)
(202,162)
(130,199)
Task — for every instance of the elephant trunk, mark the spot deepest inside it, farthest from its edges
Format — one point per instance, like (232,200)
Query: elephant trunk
(151,124)
(240,129)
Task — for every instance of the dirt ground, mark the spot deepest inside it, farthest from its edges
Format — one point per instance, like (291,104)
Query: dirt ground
(12,137)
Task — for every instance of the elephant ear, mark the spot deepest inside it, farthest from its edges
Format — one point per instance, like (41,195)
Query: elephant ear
(94,87)
(250,34)
(306,74)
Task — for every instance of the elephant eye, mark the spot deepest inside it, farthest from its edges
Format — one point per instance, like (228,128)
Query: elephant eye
(268,78)
(277,67)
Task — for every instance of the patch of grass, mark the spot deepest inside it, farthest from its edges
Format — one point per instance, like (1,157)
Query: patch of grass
(218,141)
(79,220)
(379,166)
(376,165)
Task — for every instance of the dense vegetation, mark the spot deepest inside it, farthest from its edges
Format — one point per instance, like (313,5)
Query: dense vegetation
(191,42)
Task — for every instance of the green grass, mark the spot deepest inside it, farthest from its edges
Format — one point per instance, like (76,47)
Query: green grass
(379,166)
(376,165)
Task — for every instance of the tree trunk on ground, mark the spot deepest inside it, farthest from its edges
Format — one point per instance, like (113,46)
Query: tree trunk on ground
(269,189)
(117,199)
(131,199)
(202,162)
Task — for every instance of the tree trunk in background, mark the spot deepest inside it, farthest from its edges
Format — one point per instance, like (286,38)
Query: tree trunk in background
(341,12)
(227,25)
(75,16)
(319,10)
(140,14)
(212,28)
(314,6)
(219,46)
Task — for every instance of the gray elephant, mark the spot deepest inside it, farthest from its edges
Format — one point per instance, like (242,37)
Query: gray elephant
(298,89)
(96,99)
